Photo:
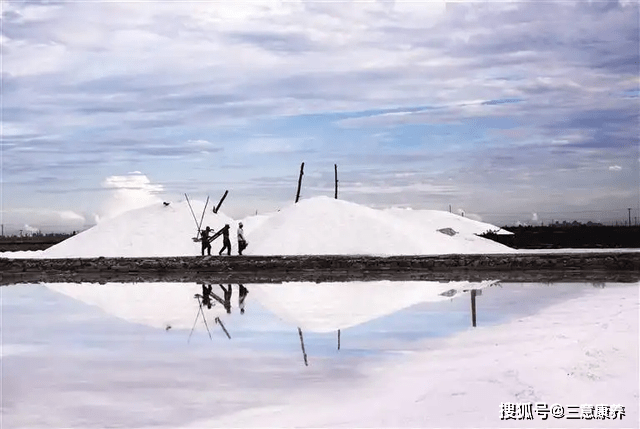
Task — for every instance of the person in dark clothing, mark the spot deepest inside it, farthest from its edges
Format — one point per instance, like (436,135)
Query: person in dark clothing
(225,241)
(227,298)
(204,237)
(206,295)
(242,294)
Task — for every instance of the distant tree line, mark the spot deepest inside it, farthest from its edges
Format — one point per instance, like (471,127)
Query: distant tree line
(568,235)
(35,241)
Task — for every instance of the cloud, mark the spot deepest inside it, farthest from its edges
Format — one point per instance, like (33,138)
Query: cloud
(496,95)
(44,220)
(615,168)
(128,192)
(30,230)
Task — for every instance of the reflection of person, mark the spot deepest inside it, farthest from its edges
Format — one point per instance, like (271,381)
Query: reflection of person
(242,294)
(225,241)
(204,236)
(242,242)
(227,298)
(206,295)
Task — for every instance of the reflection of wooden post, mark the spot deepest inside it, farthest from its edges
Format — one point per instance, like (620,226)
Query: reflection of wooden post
(473,307)
(304,353)
(223,328)
(335,167)
(338,339)
(300,181)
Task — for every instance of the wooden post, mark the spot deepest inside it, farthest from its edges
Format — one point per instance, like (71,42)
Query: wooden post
(216,208)
(335,167)
(304,353)
(338,339)
(473,307)
(300,181)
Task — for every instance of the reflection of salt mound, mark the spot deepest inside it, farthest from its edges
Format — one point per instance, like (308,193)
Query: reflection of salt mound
(153,304)
(155,230)
(327,307)
(324,225)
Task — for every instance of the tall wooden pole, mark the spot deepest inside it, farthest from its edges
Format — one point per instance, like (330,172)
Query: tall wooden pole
(304,353)
(338,339)
(300,181)
(335,167)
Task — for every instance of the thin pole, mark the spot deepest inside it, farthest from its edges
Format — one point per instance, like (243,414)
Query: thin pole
(205,319)
(338,339)
(192,213)
(629,216)
(194,325)
(335,167)
(203,210)
(304,353)
(300,181)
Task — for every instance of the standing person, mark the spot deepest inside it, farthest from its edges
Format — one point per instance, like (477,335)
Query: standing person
(204,237)
(242,294)
(242,243)
(225,241)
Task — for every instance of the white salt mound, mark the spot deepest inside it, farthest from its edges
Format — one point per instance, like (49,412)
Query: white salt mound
(325,226)
(315,226)
(155,230)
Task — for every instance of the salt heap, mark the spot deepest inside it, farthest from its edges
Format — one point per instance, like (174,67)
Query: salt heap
(315,226)
(155,230)
(325,226)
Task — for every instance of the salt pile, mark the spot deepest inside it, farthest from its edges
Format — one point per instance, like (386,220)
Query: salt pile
(325,226)
(315,226)
(155,230)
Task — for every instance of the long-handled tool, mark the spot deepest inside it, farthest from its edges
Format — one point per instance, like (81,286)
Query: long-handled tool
(198,225)
(200,310)
(193,214)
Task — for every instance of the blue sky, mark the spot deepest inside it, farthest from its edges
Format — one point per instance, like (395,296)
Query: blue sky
(511,111)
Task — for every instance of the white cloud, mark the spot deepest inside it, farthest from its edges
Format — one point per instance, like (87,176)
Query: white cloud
(129,192)
(45,220)
(615,168)
(29,230)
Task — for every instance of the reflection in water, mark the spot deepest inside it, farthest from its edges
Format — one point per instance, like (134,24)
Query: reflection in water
(335,306)
(307,307)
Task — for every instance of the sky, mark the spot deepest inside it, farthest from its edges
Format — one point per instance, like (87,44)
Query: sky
(509,111)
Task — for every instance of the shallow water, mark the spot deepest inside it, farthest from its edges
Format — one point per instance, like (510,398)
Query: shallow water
(71,359)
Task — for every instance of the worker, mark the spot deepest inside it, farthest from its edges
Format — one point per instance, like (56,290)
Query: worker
(226,244)
(242,243)
(206,244)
